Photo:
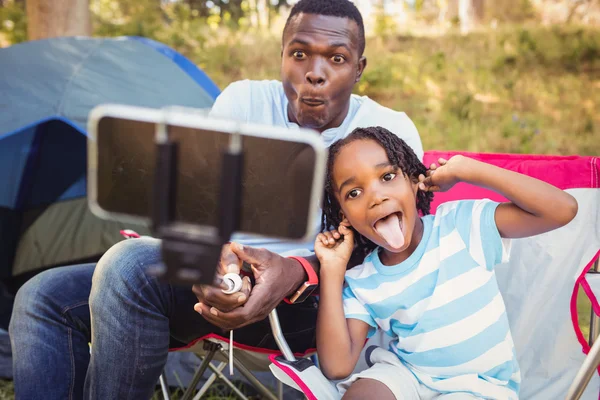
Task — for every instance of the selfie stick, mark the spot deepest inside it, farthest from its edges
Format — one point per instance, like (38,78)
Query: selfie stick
(191,254)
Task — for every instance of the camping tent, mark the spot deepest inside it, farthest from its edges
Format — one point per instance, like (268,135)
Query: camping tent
(47,89)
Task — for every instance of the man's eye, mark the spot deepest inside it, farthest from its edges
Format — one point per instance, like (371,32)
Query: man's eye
(389,176)
(354,193)
(338,59)
(299,54)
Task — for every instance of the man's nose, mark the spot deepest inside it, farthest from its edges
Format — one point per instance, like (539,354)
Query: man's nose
(316,73)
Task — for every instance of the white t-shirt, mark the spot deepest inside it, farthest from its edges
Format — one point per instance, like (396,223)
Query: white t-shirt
(264,102)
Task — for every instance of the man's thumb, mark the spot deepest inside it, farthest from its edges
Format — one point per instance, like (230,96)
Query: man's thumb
(247,254)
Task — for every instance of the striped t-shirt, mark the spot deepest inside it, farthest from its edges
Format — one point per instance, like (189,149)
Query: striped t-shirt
(442,304)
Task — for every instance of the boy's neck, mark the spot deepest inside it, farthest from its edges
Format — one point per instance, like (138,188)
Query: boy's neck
(389,258)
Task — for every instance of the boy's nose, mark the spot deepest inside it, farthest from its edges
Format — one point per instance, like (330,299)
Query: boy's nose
(377,199)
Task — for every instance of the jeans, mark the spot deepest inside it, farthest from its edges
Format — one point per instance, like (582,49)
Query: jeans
(131,320)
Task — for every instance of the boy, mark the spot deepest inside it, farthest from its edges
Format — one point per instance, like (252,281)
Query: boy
(427,281)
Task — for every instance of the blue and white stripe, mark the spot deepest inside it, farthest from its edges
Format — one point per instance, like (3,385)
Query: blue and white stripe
(443,304)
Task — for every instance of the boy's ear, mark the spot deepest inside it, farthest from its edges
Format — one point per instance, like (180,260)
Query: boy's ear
(344,220)
(415,186)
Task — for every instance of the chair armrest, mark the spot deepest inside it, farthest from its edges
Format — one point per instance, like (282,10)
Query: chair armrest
(278,336)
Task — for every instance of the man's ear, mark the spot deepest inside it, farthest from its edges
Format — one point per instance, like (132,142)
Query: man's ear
(362,64)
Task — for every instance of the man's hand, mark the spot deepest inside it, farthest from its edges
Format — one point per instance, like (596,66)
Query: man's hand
(213,295)
(276,277)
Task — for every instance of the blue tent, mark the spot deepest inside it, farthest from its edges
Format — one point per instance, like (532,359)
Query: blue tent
(47,89)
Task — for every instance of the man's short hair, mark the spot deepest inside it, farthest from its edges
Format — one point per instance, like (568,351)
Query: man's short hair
(331,8)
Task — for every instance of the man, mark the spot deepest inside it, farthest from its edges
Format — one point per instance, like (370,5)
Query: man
(130,318)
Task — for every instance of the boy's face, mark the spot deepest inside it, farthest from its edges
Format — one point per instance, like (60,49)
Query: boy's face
(378,200)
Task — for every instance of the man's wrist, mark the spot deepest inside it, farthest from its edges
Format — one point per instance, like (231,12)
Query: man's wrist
(307,286)
(298,276)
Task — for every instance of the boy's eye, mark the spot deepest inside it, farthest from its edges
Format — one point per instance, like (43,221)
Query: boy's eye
(299,54)
(389,176)
(354,193)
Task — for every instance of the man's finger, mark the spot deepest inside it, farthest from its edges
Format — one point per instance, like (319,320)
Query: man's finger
(214,296)
(226,320)
(211,317)
(230,262)
(245,290)
(251,255)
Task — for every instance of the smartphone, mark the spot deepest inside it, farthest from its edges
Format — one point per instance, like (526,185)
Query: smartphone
(283,170)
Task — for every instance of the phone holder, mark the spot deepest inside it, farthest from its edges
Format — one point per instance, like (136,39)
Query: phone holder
(190,254)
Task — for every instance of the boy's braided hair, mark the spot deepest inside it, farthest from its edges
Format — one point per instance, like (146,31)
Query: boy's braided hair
(399,154)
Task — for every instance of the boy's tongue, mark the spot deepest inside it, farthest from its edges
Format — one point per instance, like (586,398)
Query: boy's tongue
(389,229)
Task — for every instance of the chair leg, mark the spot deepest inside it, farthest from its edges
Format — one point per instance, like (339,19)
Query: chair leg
(251,378)
(279,389)
(212,349)
(164,386)
(585,373)
(211,379)
(218,372)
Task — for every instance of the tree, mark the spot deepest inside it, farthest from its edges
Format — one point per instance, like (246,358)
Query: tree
(470,13)
(48,19)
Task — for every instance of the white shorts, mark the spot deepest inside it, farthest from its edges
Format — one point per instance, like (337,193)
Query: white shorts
(390,371)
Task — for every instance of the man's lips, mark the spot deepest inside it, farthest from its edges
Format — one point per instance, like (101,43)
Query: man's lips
(312,101)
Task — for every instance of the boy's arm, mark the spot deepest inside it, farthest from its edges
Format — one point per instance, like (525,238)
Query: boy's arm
(339,340)
(536,206)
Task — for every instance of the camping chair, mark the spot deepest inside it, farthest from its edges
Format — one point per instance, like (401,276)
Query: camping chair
(214,349)
(540,286)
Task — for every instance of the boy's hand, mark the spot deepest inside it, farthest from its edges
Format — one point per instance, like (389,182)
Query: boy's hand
(444,176)
(334,248)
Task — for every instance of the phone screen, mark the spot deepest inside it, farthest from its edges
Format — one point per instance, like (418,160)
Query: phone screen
(277,176)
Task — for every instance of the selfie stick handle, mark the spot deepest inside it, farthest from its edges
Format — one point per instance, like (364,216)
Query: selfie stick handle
(230,199)
(191,255)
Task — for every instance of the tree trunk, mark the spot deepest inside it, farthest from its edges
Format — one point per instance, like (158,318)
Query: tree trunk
(471,14)
(46,19)
(262,10)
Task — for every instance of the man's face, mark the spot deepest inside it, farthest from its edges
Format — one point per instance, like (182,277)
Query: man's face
(320,65)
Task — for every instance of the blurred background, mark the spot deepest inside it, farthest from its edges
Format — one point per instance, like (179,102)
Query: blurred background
(518,76)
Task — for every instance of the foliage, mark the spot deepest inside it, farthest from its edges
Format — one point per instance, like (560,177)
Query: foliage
(13,23)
